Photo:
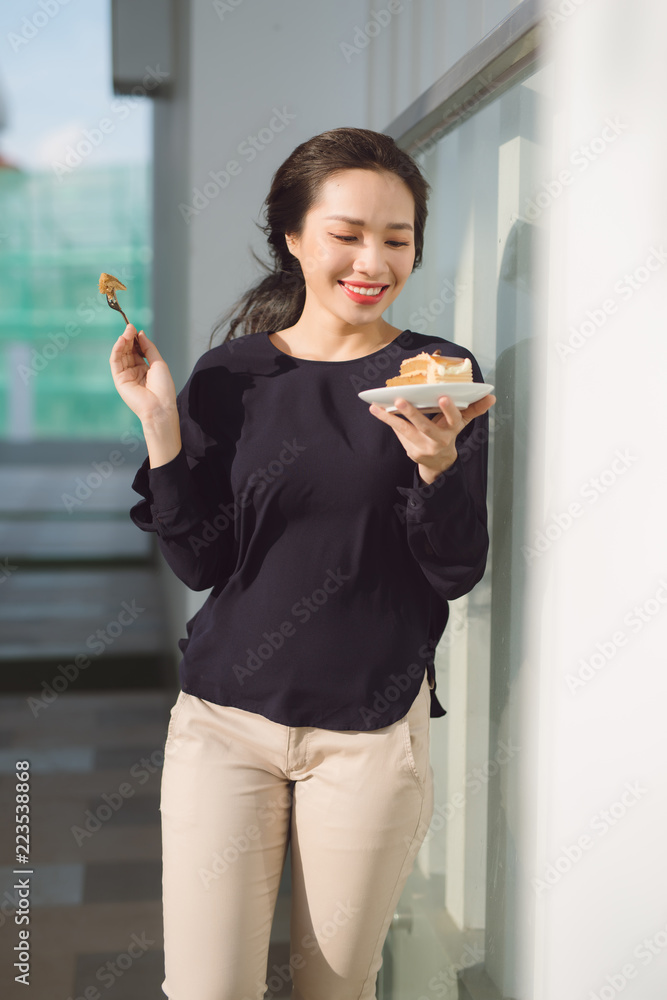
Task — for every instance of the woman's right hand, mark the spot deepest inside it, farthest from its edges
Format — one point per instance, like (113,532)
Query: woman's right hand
(148,389)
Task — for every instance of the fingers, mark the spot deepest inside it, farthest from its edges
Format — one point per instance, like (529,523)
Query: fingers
(479,407)
(467,412)
(151,352)
(411,427)
(118,351)
(443,429)
(485,403)
(419,419)
(447,407)
(450,419)
(123,349)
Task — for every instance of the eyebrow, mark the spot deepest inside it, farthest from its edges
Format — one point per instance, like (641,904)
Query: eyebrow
(359,222)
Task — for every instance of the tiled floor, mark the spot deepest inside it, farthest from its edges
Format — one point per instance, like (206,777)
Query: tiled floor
(67,573)
(95,918)
(95,888)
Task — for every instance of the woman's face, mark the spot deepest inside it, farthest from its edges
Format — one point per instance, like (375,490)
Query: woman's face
(357,244)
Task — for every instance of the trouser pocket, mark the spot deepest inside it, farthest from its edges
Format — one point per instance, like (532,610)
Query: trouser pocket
(416,727)
(174,713)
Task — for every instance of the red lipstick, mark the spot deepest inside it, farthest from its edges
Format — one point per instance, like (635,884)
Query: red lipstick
(364,298)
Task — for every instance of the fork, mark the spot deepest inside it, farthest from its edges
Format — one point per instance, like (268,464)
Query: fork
(113,302)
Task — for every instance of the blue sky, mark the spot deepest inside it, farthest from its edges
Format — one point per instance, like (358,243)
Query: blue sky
(57,84)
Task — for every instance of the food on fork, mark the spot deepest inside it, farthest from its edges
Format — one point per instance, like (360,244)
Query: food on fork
(109,284)
(430,368)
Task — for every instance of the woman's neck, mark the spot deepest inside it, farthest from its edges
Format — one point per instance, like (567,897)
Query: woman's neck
(325,338)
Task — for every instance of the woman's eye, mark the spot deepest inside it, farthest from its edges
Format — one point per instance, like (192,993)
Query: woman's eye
(349,239)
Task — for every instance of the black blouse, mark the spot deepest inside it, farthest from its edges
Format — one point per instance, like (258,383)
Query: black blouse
(331,562)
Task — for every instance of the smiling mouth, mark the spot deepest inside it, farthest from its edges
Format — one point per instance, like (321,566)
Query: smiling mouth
(362,292)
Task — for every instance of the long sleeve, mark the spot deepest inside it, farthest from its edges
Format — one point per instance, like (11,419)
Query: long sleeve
(446,521)
(188,501)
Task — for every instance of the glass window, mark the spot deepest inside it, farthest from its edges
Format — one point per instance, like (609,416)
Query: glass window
(476,287)
(75,200)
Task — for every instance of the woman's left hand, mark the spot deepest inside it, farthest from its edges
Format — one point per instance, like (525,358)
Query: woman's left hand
(431,442)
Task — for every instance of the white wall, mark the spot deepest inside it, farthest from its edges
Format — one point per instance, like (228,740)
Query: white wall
(594,804)
(244,65)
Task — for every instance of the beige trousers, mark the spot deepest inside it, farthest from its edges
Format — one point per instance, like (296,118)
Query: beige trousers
(236,789)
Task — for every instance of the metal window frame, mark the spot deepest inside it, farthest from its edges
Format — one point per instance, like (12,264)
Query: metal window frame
(505,55)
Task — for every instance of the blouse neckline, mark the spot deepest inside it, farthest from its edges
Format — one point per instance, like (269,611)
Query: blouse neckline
(317,361)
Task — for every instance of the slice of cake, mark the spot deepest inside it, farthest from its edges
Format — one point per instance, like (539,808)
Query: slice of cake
(108,284)
(430,368)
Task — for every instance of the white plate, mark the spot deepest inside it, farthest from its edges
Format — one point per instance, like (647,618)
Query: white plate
(425,396)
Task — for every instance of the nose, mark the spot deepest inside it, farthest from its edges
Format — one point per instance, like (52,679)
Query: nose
(370,259)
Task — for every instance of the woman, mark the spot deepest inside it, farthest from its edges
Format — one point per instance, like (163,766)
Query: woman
(332,542)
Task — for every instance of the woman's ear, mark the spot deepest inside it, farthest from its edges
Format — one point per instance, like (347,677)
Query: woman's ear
(292,243)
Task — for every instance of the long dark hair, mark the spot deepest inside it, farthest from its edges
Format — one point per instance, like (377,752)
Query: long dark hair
(277,300)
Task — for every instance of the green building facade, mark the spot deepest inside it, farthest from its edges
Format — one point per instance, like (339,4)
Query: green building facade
(57,235)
